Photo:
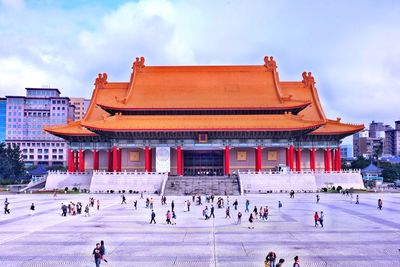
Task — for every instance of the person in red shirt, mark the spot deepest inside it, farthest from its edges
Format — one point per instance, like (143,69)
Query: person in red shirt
(316,218)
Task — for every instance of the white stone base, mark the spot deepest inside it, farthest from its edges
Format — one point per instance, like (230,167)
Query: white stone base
(60,180)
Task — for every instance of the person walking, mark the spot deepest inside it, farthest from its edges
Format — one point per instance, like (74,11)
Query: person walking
(98,204)
(280,263)
(255,212)
(247,205)
(103,251)
(32,208)
(270,259)
(172,205)
(123,199)
(251,220)
(235,204)
(317,199)
(205,213)
(97,255)
(87,214)
(266,212)
(168,215)
(357,200)
(296,262)
(227,212)
(279,205)
(135,204)
(380,204)
(239,220)
(188,206)
(321,219)
(212,211)
(316,219)
(173,218)
(153,217)
(6,207)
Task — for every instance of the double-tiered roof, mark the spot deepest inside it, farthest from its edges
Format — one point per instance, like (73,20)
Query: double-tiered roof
(171,99)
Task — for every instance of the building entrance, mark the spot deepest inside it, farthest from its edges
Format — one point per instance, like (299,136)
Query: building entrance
(203,162)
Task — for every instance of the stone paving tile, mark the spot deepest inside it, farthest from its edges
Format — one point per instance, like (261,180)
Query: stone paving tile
(354,235)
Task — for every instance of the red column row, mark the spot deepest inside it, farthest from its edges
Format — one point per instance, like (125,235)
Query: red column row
(258,158)
(227,160)
(312,159)
(298,159)
(179,161)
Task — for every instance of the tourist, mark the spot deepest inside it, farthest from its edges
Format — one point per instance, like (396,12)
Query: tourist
(103,251)
(185,206)
(271,257)
(357,200)
(123,199)
(317,199)
(147,202)
(199,200)
(279,205)
(32,209)
(79,207)
(98,204)
(316,218)
(380,204)
(6,207)
(266,212)
(141,195)
(151,203)
(251,220)
(87,214)
(296,262)
(135,204)
(235,204)
(64,210)
(205,213)
(321,219)
(212,211)
(153,217)
(97,255)
(168,215)
(173,218)
(227,199)
(212,198)
(193,198)
(172,205)
(227,212)
(188,205)
(239,221)
(255,212)
(247,205)
(280,263)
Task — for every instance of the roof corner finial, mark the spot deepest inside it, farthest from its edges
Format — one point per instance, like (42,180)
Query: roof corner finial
(138,64)
(101,80)
(308,79)
(338,119)
(270,63)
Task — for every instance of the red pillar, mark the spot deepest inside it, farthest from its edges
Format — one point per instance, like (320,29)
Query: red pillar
(76,161)
(115,159)
(179,160)
(333,159)
(95,160)
(258,158)
(147,162)
(119,161)
(312,159)
(298,159)
(338,160)
(291,157)
(287,157)
(227,171)
(110,160)
(81,161)
(327,160)
(70,160)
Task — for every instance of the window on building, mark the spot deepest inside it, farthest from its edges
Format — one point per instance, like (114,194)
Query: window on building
(40,150)
(46,156)
(60,157)
(40,156)
(31,150)
(30,156)
(54,150)
(54,157)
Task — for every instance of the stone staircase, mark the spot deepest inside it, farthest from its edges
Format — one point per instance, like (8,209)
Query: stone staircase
(190,185)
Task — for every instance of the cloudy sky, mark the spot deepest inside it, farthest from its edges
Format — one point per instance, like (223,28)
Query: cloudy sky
(351,47)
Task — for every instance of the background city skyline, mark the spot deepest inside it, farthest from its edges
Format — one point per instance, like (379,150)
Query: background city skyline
(350,47)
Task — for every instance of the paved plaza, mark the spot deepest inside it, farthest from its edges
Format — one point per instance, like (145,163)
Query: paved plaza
(353,235)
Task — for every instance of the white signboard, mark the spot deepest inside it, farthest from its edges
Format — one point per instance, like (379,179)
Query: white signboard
(163,159)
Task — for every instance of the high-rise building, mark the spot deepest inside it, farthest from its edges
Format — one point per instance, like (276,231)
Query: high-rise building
(346,151)
(3,104)
(26,118)
(391,145)
(81,106)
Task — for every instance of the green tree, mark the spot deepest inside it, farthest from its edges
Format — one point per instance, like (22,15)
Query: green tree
(11,164)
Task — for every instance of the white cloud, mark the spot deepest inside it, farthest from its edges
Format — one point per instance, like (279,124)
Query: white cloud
(351,47)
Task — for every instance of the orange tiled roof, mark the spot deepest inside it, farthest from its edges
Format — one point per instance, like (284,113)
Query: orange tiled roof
(72,128)
(335,127)
(203,87)
(119,123)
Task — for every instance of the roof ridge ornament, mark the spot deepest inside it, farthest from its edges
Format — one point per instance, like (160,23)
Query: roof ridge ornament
(138,64)
(308,79)
(101,80)
(270,63)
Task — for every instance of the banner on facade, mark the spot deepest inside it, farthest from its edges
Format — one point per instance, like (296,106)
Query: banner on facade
(163,159)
